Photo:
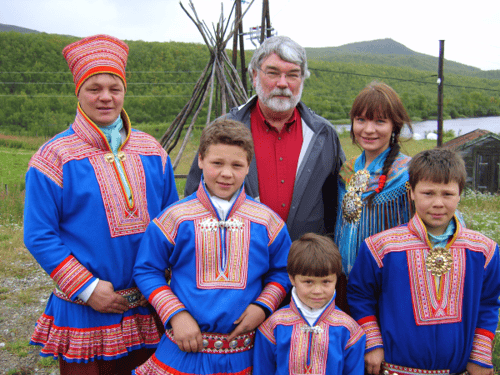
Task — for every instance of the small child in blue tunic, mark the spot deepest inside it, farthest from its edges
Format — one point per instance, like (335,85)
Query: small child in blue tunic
(311,335)
(426,293)
(227,254)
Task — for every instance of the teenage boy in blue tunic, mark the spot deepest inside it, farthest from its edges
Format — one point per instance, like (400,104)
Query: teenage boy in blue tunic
(311,335)
(228,256)
(426,293)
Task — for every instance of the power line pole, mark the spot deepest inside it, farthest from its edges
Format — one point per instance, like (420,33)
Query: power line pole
(256,35)
(265,30)
(440,94)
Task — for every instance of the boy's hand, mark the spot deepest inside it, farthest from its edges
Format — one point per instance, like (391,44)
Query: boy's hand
(105,300)
(251,318)
(187,333)
(373,361)
(474,369)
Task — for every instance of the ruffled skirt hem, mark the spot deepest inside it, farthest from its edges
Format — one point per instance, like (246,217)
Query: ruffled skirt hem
(155,367)
(88,344)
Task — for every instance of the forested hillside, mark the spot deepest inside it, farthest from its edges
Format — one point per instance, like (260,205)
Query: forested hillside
(392,53)
(37,91)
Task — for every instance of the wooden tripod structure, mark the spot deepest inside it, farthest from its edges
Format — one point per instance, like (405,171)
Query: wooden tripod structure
(219,81)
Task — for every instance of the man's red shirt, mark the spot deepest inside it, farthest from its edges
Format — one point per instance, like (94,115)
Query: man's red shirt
(277,157)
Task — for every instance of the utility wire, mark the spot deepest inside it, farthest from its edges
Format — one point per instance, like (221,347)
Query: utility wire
(370,75)
(128,72)
(192,83)
(402,79)
(71,83)
(29,96)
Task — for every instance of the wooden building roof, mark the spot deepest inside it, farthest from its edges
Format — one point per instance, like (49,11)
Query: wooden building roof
(462,140)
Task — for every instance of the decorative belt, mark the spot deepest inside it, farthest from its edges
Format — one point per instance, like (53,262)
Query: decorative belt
(390,369)
(132,295)
(216,343)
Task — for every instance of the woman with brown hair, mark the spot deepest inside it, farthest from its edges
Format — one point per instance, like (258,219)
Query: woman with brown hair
(373,191)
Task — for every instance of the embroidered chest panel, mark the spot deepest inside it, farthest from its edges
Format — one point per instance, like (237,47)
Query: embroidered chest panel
(222,249)
(309,349)
(436,300)
(123,218)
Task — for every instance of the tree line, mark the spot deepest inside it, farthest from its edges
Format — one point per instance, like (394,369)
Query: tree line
(37,91)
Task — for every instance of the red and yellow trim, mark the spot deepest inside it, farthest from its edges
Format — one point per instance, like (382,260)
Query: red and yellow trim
(165,303)
(372,330)
(71,276)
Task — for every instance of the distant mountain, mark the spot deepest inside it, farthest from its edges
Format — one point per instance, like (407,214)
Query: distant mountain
(391,53)
(379,47)
(4,27)
(375,52)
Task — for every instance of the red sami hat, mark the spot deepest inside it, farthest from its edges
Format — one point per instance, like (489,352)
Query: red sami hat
(94,55)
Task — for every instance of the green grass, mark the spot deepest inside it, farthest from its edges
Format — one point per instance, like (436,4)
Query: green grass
(22,142)
(48,362)
(13,255)
(481,212)
(19,348)
(13,166)
(19,372)
(11,205)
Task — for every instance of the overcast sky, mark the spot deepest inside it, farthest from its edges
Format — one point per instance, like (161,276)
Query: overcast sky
(471,30)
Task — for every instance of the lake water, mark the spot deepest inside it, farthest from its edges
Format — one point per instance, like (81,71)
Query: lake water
(459,126)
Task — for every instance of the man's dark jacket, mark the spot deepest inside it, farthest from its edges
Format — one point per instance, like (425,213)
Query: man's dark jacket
(314,201)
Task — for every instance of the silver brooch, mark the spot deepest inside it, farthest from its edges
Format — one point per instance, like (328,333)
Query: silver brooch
(210,224)
(315,329)
(352,205)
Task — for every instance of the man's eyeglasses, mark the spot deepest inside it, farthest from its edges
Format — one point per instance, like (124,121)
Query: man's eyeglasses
(275,75)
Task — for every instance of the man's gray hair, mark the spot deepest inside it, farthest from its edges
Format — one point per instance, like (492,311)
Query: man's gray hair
(285,48)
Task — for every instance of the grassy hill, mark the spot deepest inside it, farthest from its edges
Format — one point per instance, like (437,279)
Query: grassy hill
(379,52)
(37,92)
(391,53)
(4,27)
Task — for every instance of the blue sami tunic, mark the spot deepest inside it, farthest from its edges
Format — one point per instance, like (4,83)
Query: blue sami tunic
(420,320)
(218,269)
(286,344)
(80,225)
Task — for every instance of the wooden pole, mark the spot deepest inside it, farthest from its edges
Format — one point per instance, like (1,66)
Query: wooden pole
(268,21)
(228,91)
(440,94)
(237,18)
(242,59)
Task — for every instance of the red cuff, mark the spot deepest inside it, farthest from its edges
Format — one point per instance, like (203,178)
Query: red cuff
(165,303)
(482,348)
(372,331)
(272,295)
(71,276)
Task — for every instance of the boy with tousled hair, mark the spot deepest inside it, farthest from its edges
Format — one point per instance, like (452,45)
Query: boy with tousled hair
(311,335)
(426,293)
(227,254)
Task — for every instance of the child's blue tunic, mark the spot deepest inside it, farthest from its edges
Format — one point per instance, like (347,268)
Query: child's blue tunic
(286,344)
(218,269)
(420,320)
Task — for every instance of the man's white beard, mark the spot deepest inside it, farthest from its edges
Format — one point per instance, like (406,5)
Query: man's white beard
(275,103)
